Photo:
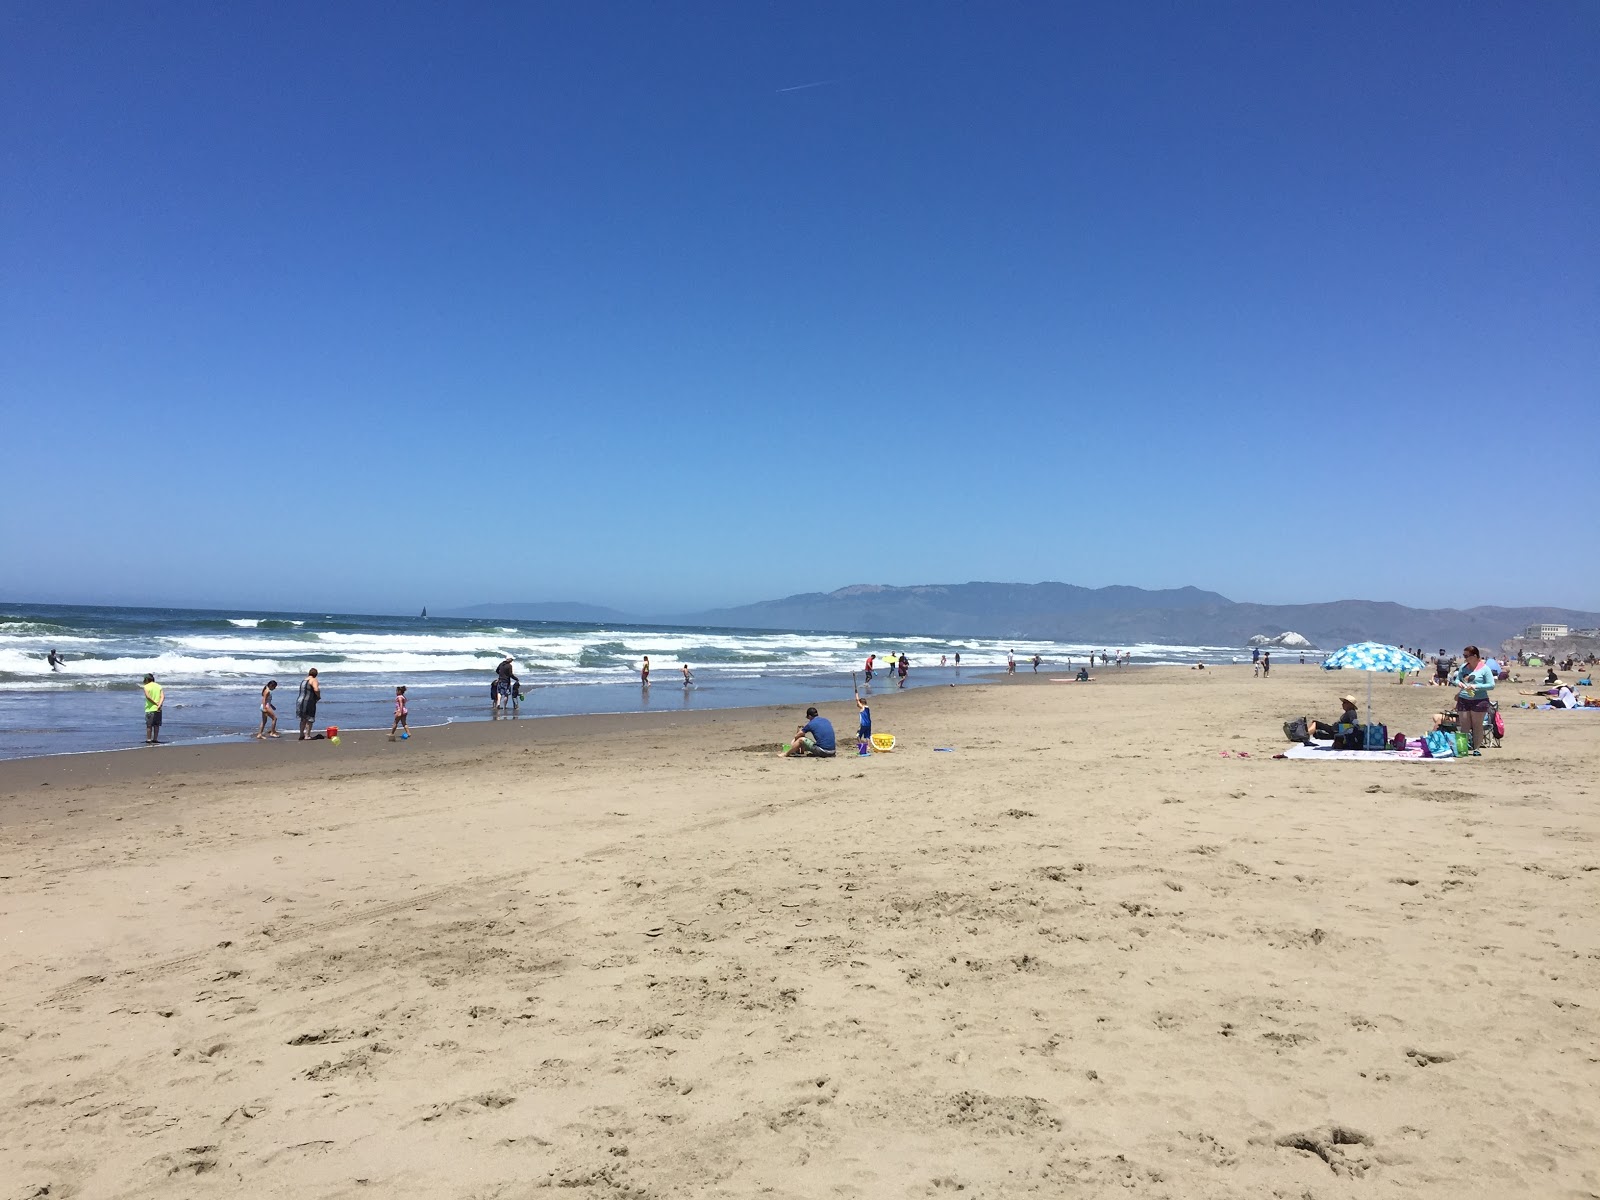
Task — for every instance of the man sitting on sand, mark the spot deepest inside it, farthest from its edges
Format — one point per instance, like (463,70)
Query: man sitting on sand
(814,738)
(1083,676)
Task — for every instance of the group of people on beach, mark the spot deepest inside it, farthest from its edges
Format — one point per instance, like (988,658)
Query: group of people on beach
(305,709)
(644,673)
(305,706)
(899,667)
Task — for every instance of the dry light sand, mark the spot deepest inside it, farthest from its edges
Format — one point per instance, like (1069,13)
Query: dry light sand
(1082,955)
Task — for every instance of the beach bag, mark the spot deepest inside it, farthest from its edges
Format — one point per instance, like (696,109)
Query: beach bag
(1499,726)
(1399,742)
(1439,744)
(1296,730)
(1463,745)
(1377,737)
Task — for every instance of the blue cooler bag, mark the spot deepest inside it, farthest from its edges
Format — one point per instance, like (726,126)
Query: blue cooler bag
(1377,737)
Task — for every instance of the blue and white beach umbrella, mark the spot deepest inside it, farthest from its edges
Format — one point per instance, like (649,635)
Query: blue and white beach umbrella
(1371,656)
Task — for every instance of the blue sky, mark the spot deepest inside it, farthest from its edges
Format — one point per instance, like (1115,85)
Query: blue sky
(376,305)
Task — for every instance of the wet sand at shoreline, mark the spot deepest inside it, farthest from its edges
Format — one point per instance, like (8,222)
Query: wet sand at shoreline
(641,956)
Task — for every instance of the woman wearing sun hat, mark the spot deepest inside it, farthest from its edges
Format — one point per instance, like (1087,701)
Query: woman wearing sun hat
(1347,718)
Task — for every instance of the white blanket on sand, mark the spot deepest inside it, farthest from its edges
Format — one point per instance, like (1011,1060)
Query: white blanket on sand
(1324,752)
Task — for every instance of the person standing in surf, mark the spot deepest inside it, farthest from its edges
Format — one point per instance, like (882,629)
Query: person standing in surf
(306,703)
(500,690)
(269,712)
(644,672)
(155,698)
(904,666)
(870,659)
(56,660)
(688,679)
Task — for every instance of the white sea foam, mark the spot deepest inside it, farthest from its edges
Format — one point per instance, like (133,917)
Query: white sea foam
(245,622)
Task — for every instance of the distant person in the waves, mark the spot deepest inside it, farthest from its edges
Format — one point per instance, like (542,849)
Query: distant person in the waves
(305,706)
(55,661)
(870,660)
(688,679)
(958,660)
(1036,661)
(644,672)
(400,713)
(1011,662)
(943,659)
(904,668)
(814,738)
(155,698)
(269,712)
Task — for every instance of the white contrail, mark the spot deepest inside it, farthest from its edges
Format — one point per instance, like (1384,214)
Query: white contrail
(800,87)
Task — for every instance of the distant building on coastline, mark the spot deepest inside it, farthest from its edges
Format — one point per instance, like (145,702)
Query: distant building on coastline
(1544,633)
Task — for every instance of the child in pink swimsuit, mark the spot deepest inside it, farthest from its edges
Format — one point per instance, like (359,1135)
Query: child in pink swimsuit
(399,713)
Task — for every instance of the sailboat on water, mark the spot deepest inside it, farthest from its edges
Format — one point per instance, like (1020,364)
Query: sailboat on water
(424,612)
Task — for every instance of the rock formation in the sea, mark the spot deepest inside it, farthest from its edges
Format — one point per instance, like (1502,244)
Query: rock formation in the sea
(1289,641)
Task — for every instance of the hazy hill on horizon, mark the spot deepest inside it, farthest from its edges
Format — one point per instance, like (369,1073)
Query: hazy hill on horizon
(1116,615)
(1124,615)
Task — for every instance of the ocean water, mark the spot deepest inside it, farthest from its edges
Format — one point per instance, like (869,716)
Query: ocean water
(213,665)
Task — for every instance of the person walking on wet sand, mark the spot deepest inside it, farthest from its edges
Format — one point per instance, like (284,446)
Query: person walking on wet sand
(688,679)
(269,712)
(904,667)
(400,713)
(1011,662)
(644,672)
(305,706)
(154,698)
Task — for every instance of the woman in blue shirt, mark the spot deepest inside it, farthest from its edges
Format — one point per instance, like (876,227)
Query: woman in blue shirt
(1474,681)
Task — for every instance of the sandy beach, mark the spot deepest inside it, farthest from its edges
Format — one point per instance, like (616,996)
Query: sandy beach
(1084,953)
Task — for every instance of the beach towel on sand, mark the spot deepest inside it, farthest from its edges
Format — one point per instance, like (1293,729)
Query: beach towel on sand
(1324,752)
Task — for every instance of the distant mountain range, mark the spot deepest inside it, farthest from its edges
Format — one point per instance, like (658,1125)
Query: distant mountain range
(1112,616)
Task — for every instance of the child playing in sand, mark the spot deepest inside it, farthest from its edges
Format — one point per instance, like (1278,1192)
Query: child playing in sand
(400,711)
(864,731)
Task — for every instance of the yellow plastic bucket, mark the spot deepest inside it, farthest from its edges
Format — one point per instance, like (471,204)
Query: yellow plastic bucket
(883,742)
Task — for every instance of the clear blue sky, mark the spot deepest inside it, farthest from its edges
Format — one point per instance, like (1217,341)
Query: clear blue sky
(375,305)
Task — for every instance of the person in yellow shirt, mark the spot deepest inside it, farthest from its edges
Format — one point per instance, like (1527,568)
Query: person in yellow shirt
(154,698)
